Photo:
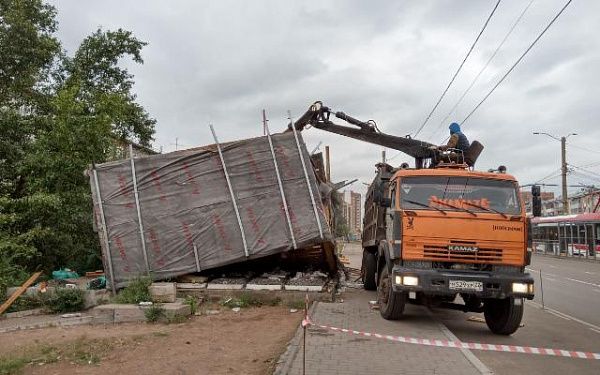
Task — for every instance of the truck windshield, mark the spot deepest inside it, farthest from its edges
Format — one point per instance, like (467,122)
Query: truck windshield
(459,194)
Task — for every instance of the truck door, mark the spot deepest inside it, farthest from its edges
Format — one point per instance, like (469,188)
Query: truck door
(392,223)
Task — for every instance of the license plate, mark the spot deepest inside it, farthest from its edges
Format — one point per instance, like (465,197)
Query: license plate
(466,285)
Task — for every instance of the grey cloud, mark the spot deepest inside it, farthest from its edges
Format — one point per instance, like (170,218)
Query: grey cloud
(224,61)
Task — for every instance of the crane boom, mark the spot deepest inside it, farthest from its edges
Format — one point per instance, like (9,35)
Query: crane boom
(318,116)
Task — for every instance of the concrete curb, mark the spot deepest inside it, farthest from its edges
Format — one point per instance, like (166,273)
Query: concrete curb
(285,361)
(64,322)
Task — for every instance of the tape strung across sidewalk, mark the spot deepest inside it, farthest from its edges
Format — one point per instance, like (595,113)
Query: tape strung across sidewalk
(459,344)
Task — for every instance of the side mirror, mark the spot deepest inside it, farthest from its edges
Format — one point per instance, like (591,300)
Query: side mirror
(386,202)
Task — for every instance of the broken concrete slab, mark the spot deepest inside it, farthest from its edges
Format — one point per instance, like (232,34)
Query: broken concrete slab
(263,286)
(190,286)
(163,292)
(305,288)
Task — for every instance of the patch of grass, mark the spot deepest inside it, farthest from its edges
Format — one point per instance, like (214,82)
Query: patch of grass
(82,351)
(154,313)
(137,291)
(176,319)
(275,301)
(65,300)
(250,300)
(10,366)
(193,302)
(26,302)
(296,304)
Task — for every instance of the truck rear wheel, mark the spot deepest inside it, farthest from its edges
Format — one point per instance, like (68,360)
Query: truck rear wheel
(502,316)
(391,304)
(369,270)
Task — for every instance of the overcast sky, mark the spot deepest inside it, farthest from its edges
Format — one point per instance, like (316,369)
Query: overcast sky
(224,61)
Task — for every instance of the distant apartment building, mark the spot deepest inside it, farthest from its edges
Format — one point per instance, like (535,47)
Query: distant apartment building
(584,201)
(352,211)
(548,202)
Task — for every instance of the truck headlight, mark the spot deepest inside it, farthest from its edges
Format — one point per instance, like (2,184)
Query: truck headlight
(410,280)
(520,288)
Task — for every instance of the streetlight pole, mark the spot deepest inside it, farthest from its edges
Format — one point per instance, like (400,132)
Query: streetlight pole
(563,167)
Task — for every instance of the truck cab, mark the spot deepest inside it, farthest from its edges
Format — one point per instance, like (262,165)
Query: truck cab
(432,235)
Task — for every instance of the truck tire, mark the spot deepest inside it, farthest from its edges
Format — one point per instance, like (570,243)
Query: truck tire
(369,270)
(391,304)
(502,316)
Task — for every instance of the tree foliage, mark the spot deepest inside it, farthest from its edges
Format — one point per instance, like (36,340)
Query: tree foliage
(58,115)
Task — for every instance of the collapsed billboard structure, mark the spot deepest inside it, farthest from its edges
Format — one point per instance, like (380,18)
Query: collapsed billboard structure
(188,211)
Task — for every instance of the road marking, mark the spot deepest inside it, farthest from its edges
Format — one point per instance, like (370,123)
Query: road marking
(559,315)
(476,362)
(595,330)
(583,282)
(551,279)
(589,325)
(590,273)
(543,274)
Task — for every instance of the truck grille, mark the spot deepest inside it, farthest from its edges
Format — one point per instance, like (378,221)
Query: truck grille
(481,255)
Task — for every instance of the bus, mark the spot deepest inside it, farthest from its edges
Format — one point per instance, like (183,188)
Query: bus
(569,235)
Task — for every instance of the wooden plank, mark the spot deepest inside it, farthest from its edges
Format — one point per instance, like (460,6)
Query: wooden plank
(19,291)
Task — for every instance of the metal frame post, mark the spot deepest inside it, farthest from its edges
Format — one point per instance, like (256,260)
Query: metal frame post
(105,233)
(233,200)
(279,181)
(197,258)
(139,212)
(312,197)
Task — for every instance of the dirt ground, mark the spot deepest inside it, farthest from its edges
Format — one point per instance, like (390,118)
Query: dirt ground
(248,342)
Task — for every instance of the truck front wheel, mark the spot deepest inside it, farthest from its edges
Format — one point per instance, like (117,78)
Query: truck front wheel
(503,316)
(369,270)
(391,304)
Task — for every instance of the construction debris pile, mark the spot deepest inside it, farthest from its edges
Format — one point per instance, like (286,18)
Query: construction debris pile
(195,210)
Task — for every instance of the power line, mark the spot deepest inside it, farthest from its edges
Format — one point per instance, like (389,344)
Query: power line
(458,70)
(518,61)
(484,68)
(586,171)
(591,164)
(584,148)
(550,176)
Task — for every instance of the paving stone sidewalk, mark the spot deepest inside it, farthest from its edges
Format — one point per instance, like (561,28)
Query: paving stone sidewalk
(333,353)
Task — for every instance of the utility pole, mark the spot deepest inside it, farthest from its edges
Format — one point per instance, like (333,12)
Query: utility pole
(383,156)
(563,158)
(563,167)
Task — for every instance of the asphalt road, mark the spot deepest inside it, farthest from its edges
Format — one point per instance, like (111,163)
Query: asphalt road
(569,286)
(571,320)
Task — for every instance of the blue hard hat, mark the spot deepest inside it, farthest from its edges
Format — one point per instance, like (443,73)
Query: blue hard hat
(454,128)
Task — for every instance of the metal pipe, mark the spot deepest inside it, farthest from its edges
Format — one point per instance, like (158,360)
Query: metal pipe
(280,183)
(235,207)
(105,232)
(197,258)
(312,197)
(139,212)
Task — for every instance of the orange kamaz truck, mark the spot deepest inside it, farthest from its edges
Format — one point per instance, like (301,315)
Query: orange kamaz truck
(432,235)
(440,233)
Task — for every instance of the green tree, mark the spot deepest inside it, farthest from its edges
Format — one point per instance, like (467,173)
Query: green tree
(58,115)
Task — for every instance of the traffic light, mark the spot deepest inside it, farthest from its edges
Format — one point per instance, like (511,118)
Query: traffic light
(536,200)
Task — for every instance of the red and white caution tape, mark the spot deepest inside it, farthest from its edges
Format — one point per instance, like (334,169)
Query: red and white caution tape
(462,345)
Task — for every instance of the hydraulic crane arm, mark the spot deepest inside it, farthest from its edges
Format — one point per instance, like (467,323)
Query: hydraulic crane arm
(318,116)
